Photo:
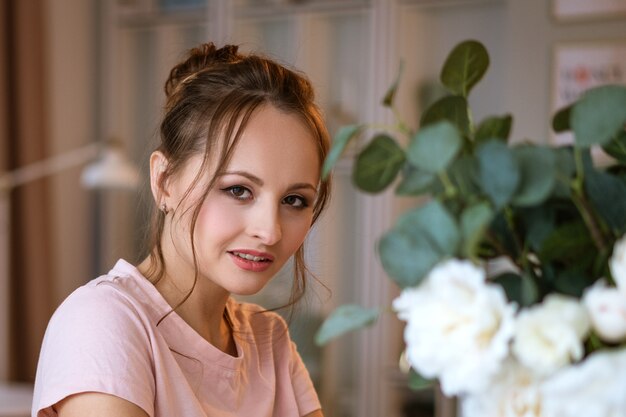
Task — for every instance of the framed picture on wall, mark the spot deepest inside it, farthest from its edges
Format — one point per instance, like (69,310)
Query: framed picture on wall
(583,65)
(588,9)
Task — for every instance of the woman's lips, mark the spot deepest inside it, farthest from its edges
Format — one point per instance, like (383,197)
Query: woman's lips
(251,260)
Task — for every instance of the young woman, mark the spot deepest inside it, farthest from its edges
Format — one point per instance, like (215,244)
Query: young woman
(236,184)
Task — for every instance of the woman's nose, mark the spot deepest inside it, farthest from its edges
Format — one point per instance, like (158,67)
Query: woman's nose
(266,225)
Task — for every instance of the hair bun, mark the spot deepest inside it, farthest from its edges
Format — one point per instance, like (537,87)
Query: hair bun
(198,59)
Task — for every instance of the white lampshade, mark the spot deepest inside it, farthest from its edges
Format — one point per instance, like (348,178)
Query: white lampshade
(112,169)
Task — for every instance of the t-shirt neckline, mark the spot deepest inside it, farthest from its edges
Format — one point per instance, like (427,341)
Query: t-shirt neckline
(179,335)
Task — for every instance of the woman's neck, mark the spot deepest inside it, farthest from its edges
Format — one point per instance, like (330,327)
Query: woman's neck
(204,309)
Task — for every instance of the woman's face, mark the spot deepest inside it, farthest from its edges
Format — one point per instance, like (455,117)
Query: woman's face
(257,214)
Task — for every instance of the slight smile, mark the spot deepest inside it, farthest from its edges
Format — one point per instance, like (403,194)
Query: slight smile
(250,260)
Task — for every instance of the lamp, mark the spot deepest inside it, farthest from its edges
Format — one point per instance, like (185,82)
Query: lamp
(110,169)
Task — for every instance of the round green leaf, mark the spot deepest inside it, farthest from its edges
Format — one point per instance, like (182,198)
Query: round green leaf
(538,171)
(566,169)
(464,176)
(568,243)
(539,223)
(418,382)
(345,319)
(572,282)
(434,147)
(452,108)
(435,223)
(474,221)
(415,182)
(617,147)
(498,172)
(599,115)
(378,164)
(341,140)
(518,288)
(407,257)
(391,92)
(497,127)
(608,195)
(464,67)
(560,121)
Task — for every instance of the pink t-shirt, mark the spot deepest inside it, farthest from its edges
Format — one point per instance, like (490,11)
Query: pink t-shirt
(104,338)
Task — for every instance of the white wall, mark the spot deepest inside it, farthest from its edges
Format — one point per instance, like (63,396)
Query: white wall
(520,36)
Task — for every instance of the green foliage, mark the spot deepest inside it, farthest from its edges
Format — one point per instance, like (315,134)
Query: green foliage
(465,66)
(537,167)
(497,127)
(343,137)
(474,221)
(518,288)
(415,181)
(345,319)
(560,121)
(434,147)
(420,239)
(499,173)
(378,164)
(451,108)
(391,92)
(549,211)
(608,195)
(418,382)
(617,147)
(599,115)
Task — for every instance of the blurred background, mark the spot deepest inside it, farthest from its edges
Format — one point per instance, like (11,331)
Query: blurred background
(75,72)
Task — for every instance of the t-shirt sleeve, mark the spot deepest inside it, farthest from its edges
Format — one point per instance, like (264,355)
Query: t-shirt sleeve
(303,388)
(95,342)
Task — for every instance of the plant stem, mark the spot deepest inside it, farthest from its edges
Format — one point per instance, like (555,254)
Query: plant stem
(400,123)
(450,189)
(399,127)
(508,215)
(585,211)
(578,182)
(581,203)
(493,240)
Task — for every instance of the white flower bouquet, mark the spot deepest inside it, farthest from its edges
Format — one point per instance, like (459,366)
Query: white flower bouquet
(513,273)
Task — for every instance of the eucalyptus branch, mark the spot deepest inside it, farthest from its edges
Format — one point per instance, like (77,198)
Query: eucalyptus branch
(449,188)
(587,214)
(508,216)
(581,203)
(578,182)
(400,122)
(387,127)
(493,241)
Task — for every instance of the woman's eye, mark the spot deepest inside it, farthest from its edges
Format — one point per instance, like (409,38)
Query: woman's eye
(295,201)
(239,192)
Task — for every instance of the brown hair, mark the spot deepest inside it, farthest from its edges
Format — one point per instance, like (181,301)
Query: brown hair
(211,96)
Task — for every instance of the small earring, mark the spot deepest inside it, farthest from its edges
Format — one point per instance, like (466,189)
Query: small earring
(164,209)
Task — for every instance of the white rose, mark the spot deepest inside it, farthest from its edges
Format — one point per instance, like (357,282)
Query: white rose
(594,388)
(549,336)
(617,263)
(458,326)
(515,392)
(607,310)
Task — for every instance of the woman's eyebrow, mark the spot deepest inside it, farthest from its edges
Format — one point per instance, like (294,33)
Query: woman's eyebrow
(302,185)
(259,181)
(245,174)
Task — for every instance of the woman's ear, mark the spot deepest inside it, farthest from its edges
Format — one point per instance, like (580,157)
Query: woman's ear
(158,180)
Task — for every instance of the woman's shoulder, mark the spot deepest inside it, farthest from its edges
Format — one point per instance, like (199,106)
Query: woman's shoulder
(98,340)
(121,294)
(115,303)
